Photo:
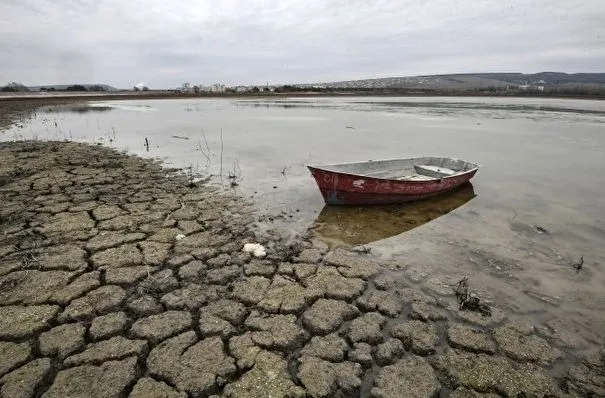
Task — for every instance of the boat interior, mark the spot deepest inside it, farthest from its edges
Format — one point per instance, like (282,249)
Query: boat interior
(416,169)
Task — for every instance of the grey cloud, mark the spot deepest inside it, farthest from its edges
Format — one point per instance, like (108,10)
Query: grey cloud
(235,42)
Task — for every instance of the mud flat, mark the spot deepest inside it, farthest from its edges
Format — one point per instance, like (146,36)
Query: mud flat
(119,279)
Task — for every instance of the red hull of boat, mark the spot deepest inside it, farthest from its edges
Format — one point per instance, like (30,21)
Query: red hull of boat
(349,189)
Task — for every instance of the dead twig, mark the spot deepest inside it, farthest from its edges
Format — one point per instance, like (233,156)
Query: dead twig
(221,156)
(579,264)
(468,301)
(235,175)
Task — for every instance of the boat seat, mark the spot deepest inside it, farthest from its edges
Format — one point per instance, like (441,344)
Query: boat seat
(433,171)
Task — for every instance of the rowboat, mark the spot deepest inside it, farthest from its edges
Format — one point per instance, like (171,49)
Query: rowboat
(390,181)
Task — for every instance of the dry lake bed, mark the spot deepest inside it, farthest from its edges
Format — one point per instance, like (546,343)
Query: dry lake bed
(120,278)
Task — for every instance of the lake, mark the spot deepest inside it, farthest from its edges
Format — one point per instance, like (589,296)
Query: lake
(535,207)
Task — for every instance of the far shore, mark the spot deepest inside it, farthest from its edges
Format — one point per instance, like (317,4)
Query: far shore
(54,97)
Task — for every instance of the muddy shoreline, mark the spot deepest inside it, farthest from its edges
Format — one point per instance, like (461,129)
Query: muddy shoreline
(119,279)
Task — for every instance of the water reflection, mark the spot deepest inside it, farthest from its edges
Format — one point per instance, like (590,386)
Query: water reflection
(359,225)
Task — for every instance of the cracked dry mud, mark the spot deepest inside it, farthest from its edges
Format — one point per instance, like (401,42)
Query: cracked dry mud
(99,298)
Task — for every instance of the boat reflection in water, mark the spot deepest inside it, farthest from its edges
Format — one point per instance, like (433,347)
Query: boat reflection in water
(359,225)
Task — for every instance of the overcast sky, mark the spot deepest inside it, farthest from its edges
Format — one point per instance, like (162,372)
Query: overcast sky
(166,42)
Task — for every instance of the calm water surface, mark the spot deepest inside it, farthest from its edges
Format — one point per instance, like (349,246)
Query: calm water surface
(542,165)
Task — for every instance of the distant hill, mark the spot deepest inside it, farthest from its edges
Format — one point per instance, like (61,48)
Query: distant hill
(64,87)
(469,81)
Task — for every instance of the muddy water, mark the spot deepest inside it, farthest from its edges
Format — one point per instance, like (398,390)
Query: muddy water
(536,205)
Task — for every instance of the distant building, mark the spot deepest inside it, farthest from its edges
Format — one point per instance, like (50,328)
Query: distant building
(185,87)
(217,88)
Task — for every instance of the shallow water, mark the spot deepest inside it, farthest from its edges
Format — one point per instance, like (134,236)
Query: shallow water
(536,205)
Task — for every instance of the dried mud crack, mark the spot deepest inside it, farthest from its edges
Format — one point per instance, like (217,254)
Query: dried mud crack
(118,280)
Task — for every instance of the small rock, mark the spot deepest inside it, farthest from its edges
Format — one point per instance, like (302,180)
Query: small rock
(23,382)
(362,353)
(159,327)
(411,376)
(12,355)
(326,315)
(147,387)
(367,328)
(108,325)
(331,348)
(144,306)
(62,340)
(109,380)
(470,339)
(388,352)
(115,348)
(418,337)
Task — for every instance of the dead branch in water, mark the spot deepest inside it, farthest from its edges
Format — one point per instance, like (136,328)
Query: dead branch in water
(578,265)
(221,156)
(235,175)
(206,153)
(468,301)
